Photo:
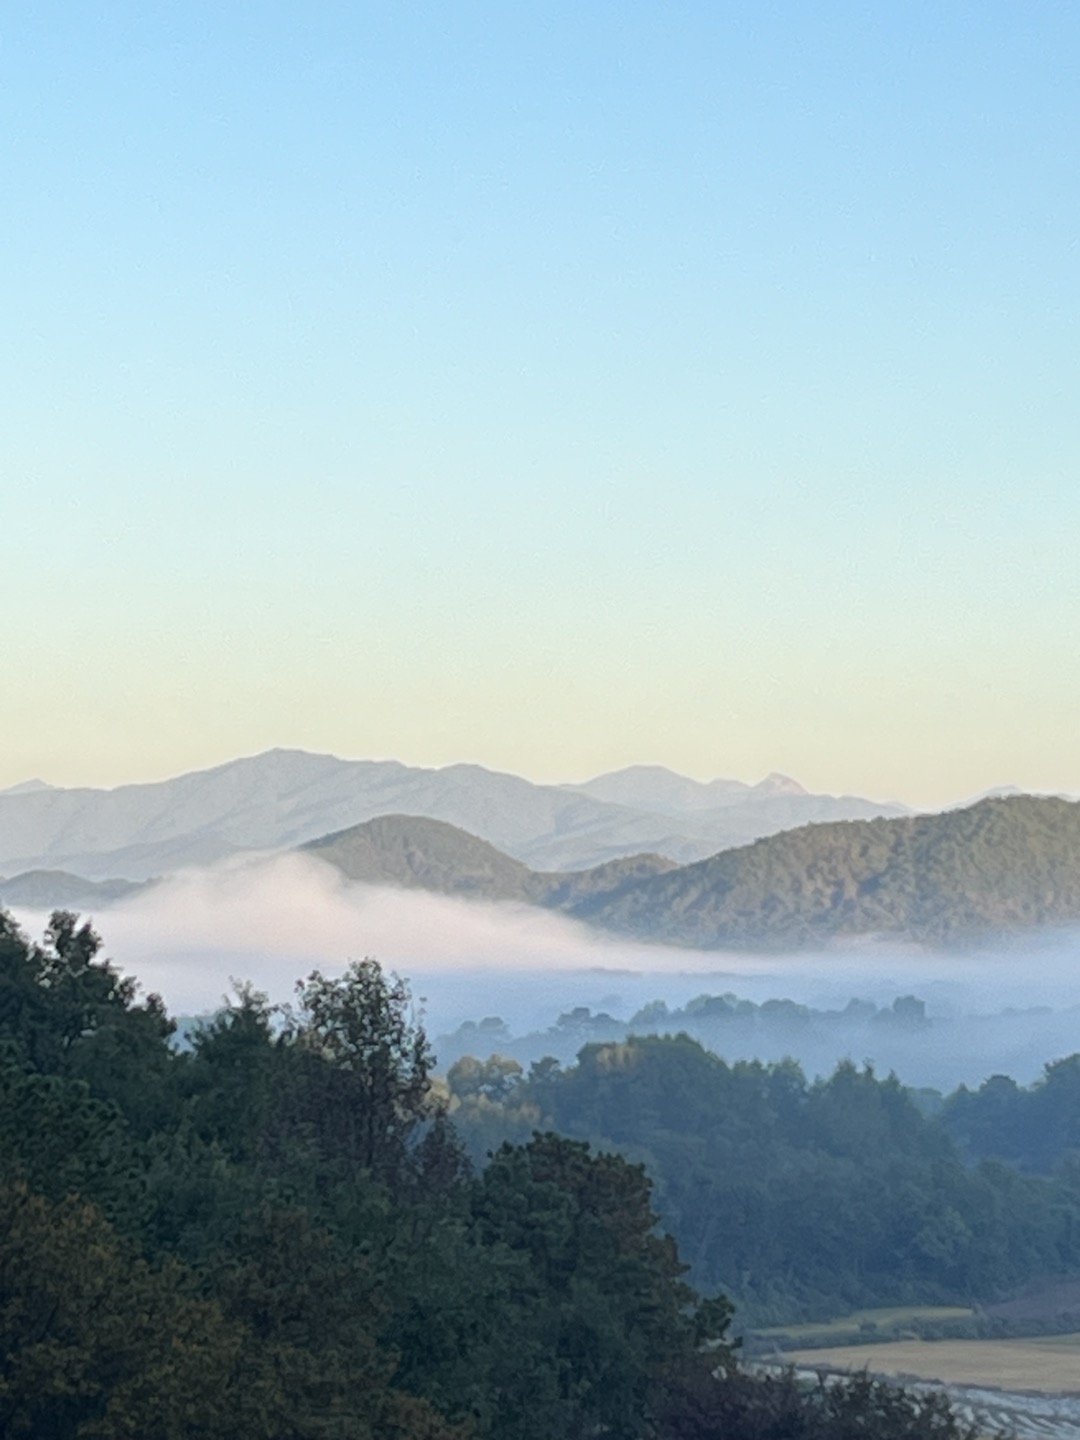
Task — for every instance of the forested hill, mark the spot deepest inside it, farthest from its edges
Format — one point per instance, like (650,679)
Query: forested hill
(414,852)
(1001,866)
(803,1199)
(1004,865)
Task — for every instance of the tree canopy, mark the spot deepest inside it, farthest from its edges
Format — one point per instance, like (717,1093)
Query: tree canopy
(276,1232)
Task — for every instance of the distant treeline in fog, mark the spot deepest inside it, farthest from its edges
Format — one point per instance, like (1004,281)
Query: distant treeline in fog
(719,1021)
(933,1046)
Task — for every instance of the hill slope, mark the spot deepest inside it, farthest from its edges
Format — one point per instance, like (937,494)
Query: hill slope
(1002,865)
(415,852)
(57,890)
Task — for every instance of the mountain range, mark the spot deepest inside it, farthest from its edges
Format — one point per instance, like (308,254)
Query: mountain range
(1001,867)
(284,798)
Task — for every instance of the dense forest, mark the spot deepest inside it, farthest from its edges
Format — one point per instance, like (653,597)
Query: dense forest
(1035,1128)
(802,1200)
(277,1232)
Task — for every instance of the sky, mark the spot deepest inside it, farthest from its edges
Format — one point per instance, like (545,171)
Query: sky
(555,387)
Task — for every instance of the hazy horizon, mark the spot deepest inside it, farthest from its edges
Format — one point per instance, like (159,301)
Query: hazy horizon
(548,390)
(700,778)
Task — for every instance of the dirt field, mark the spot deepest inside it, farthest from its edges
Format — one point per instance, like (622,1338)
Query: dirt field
(1049,1364)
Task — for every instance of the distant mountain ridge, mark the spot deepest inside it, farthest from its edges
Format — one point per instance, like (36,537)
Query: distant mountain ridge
(665,792)
(284,798)
(27,787)
(58,890)
(1005,866)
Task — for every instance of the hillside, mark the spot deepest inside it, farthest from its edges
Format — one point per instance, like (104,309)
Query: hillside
(414,852)
(417,853)
(1002,865)
(57,890)
(314,1257)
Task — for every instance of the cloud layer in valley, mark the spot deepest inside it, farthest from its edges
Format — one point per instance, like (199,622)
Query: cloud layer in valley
(273,920)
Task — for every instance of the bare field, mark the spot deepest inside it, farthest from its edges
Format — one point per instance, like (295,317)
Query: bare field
(1048,1364)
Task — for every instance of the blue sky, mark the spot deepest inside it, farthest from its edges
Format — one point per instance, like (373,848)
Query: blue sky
(554,387)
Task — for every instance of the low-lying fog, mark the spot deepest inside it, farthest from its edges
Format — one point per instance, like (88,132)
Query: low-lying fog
(273,921)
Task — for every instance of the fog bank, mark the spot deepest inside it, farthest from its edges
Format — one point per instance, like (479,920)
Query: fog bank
(272,921)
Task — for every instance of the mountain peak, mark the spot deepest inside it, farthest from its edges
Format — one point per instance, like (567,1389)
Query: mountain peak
(777,784)
(27,787)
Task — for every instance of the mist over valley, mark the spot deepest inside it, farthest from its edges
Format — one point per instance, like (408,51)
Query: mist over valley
(941,947)
(272,920)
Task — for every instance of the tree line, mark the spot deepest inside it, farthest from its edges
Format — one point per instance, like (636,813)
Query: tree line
(804,1200)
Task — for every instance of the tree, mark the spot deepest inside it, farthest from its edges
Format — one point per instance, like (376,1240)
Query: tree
(59,1140)
(601,1308)
(742,1406)
(313,1309)
(95,1342)
(232,1072)
(68,1011)
(358,1087)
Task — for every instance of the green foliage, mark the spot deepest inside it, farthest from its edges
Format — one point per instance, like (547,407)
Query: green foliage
(357,1083)
(800,1199)
(967,875)
(1037,1128)
(489,1105)
(64,1011)
(893,1322)
(230,1078)
(95,1342)
(752,1407)
(277,1235)
(59,1140)
(599,1307)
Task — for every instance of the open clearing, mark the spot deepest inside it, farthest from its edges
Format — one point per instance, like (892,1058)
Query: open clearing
(1048,1364)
